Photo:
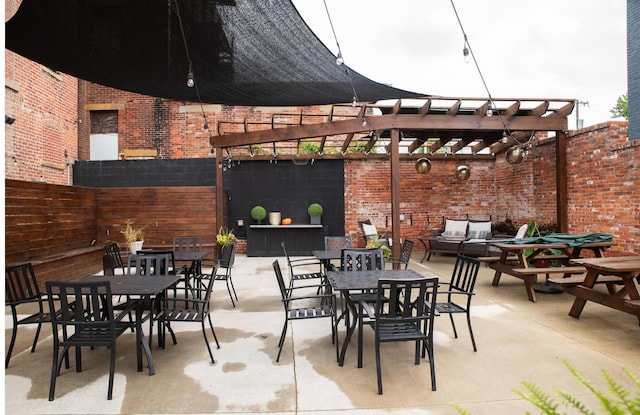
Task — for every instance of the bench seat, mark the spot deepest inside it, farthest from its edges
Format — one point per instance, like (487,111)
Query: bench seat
(549,270)
(603,279)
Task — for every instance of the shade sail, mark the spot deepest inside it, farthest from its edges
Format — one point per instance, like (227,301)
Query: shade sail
(242,52)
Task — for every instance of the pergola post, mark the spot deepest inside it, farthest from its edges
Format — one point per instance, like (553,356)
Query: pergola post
(395,194)
(562,217)
(219,190)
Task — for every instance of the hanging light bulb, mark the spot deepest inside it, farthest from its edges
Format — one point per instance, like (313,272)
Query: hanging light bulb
(423,166)
(463,172)
(339,59)
(514,155)
(364,121)
(504,137)
(489,111)
(355,101)
(190,81)
(206,128)
(465,52)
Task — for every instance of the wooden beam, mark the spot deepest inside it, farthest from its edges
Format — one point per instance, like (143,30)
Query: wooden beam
(564,110)
(396,107)
(540,109)
(512,109)
(389,121)
(424,109)
(453,110)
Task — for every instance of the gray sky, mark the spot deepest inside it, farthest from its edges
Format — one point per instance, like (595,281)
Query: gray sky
(525,49)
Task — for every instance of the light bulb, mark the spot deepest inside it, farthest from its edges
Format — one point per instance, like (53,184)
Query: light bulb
(190,81)
(489,112)
(339,59)
(364,122)
(355,101)
(206,128)
(504,137)
(465,52)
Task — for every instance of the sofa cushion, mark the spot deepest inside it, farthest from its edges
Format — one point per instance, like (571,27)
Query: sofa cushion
(369,230)
(479,230)
(455,228)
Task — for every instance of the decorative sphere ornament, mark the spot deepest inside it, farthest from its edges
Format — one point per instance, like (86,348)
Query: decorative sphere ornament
(463,172)
(423,166)
(514,155)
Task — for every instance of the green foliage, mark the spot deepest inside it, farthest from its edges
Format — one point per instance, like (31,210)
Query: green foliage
(618,400)
(310,148)
(258,213)
(621,109)
(315,209)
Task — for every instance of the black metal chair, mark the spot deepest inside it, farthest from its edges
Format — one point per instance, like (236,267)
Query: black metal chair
(186,244)
(149,267)
(405,255)
(310,278)
(302,307)
(112,260)
(463,281)
(355,260)
(194,309)
(336,243)
(22,292)
(224,265)
(95,326)
(370,232)
(404,312)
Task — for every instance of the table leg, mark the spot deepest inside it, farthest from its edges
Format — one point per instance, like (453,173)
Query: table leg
(142,342)
(350,327)
(427,251)
(578,303)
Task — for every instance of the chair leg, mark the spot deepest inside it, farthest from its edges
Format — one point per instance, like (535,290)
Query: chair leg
(206,342)
(473,340)
(35,338)
(55,369)
(233,288)
(112,370)
(229,291)
(282,336)
(213,331)
(14,332)
(378,368)
(453,324)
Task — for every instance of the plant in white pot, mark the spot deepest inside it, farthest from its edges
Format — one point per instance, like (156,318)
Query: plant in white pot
(315,212)
(133,236)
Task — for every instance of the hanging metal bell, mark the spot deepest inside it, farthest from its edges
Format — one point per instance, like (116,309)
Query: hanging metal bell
(514,155)
(423,166)
(463,172)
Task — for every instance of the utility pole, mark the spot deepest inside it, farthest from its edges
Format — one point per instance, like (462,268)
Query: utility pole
(579,122)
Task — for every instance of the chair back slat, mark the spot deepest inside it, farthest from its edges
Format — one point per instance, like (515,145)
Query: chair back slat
(187,244)
(21,284)
(361,259)
(464,274)
(113,259)
(149,263)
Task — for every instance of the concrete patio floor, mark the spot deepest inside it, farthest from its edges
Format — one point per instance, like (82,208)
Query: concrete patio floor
(517,341)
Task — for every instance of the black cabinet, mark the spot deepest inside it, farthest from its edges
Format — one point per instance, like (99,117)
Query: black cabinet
(300,240)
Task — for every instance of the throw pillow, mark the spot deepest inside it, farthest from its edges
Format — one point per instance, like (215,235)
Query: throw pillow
(369,230)
(479,230)
(456,228)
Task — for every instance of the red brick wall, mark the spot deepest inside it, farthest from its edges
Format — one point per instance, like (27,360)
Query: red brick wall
(43,136)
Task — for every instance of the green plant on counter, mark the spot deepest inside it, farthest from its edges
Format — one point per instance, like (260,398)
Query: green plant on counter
(258,213)
(315,209)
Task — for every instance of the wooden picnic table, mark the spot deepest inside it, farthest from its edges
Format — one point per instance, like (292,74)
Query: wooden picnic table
(518,260)
(621,272)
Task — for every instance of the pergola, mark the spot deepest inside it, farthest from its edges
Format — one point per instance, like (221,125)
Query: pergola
(434,127)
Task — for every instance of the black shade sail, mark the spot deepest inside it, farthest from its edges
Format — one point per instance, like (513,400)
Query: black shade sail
(242,52)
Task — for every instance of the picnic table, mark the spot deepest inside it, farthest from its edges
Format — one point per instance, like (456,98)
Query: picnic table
(517,257)
(616,272)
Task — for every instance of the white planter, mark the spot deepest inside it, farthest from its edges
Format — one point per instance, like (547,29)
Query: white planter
(274,218)
(134,247)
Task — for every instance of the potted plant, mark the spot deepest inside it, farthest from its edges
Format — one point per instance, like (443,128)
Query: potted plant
(133,236)
(258,213)
(315,212)
(226,237)
(226,240)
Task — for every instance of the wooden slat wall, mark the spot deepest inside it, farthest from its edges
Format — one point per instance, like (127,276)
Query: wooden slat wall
(61,229)
(43,219)
(167,212)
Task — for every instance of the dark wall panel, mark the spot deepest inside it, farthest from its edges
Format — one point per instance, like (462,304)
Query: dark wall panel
(287,188)
(145,173)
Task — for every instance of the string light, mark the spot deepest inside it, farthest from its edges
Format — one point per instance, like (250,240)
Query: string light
(190,82)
